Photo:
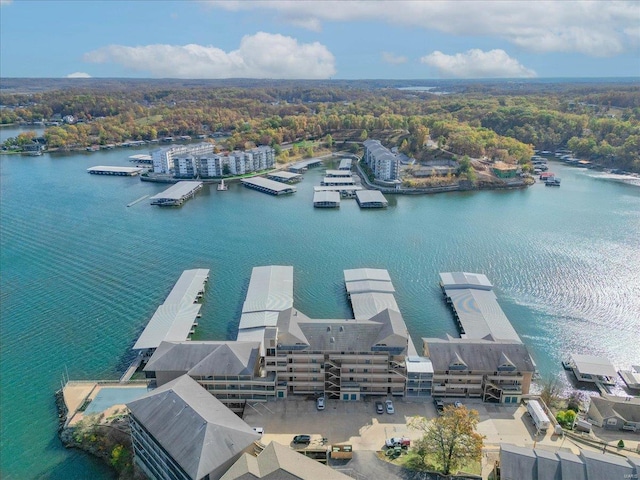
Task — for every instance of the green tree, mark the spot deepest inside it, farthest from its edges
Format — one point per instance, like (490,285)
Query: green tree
(328,141)
(451,439)
(364,135)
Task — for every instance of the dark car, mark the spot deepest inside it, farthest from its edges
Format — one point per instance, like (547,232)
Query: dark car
(439,406)
(302,439)
(379,407)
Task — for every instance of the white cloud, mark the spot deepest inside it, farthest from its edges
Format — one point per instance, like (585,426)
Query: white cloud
(585,26)
(393,59)
(262,55)
(477,64)
(78,75)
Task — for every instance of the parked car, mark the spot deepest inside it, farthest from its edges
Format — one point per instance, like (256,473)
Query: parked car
(379,407)
(390,408)
(302,439)
(457,404)
(439,406)
(397,442)
(320,403)
(259,430)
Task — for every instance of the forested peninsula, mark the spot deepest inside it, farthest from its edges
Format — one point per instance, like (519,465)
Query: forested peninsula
(498,120)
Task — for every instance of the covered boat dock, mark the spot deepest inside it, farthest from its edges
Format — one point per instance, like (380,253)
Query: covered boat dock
(475,306)
(303,166)
(176,194)
(371,199)
(110,170)
(284,177)
(268,186)
(326,199)
(175,319)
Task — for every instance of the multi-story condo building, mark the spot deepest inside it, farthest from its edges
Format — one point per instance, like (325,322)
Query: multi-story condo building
(163,157)
(211,166)
(185,167)
(384,164)
(189,164)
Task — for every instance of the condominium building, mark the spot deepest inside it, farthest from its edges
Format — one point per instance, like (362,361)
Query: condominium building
(163,158)
(384,164)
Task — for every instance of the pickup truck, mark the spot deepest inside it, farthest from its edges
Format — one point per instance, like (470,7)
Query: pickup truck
(397,442)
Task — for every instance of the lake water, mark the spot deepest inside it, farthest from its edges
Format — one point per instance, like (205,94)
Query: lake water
(82,273)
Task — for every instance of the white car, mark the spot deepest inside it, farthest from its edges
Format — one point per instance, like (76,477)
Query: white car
(390,408)
(320,403)
(457,404)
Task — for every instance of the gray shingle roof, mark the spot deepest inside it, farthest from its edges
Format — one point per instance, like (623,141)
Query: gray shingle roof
(205,358)
(482,355)
(192,426)
(277,462)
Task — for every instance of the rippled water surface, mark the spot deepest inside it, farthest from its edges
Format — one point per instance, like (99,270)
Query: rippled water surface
(82,273)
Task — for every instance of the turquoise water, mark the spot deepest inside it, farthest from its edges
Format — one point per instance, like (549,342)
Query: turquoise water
(82,273)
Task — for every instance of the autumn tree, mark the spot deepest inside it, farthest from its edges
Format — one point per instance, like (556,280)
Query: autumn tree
(450,440)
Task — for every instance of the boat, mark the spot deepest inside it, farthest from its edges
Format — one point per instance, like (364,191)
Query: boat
(221,186)
(552,182)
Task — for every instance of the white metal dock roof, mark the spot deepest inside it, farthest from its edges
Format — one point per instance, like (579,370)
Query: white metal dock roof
(177,191)
(480,315)
(258,319)
(345,163)
(593,365)
(326,196)
(338,173)
(270,288)
(339,180)
(173,320)
(268,184)
(367,305)
(284,175)
(337,188)
(370,196)
(114,169)
(357,274)
(363,286)
(451,280)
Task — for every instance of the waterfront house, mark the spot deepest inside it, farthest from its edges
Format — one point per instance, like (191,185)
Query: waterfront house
(615,413)
(181,432)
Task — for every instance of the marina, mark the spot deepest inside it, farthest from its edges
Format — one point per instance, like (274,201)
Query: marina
(338,173)
(577,281)
(337,181)
(591,369)
(268,186)
(111,170)
(177,194)
(304,165)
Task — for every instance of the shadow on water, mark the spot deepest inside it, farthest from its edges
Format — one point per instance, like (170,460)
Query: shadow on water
(232,327)
(76,465)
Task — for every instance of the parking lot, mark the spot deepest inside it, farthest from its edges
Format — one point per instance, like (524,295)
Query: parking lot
(358,424)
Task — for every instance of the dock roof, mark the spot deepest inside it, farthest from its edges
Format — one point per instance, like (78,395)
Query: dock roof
(270,289)
(173,320)
(339,180)
(267,184)
(284,175)
(476,306)
(326,196)
(177,191)
(338,173)
(593,365)
(370,196)
(113,169)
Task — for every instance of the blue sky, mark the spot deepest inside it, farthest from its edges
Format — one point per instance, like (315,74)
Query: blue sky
(319,39)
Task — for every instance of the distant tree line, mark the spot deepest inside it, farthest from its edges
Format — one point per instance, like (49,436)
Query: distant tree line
(478,121)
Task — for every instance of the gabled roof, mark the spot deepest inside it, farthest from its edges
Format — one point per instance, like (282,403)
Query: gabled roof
(289,332)
(278,462)
(477,354)
(393,331)
(205,358)
(270,288)
(192,426)
(627,411)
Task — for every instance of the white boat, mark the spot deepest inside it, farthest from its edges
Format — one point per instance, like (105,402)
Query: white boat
(222,186)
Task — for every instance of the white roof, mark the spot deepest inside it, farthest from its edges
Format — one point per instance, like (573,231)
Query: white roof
(173,320)
(258,319)
(480,314)
(270,288)
(367,196)
(266,183)
(326,196)
(367,305)
(177,191)
(419,365)
(283,174)
(338,173)
(109,168)
(337,188)
(357,274)
(593,365)
(452,280)
(339,180)
(361,286)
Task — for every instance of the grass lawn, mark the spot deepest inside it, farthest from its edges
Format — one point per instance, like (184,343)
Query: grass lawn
(410,461)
